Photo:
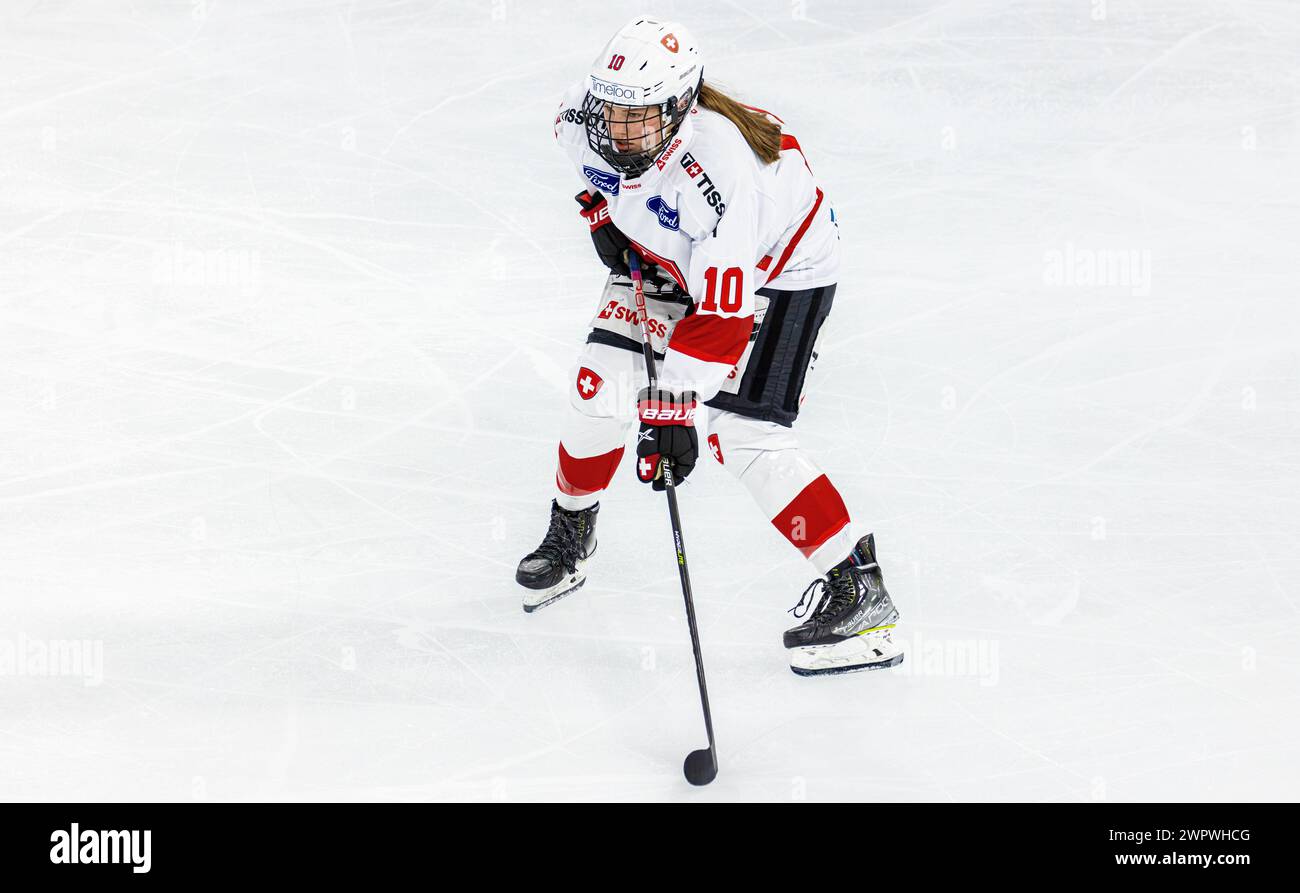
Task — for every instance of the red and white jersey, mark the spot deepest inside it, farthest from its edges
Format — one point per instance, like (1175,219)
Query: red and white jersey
(720,222)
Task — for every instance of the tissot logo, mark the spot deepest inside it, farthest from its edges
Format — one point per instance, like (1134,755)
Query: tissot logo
(695,171)
(89,847)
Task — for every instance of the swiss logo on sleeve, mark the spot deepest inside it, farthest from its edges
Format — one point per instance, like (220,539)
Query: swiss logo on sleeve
(588,383)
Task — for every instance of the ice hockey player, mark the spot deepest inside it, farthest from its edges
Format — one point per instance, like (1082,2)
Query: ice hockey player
(740,251)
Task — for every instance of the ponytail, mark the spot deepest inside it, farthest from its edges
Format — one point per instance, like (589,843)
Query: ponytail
(759,131)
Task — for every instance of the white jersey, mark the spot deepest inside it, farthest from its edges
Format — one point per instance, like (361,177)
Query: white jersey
(721,223)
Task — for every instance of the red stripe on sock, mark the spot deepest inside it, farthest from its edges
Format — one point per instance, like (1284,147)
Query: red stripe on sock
(813,517)
(581,476)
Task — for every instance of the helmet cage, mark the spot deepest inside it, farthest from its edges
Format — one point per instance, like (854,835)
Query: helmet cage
(632,164)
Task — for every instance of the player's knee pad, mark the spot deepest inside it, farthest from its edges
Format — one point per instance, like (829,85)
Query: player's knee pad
(746,446)
(764,456)
(604,383)
(789,487)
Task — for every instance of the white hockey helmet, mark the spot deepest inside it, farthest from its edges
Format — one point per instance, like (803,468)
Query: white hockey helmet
(640,89)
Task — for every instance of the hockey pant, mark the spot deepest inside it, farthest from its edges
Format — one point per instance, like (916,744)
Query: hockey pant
(788,486)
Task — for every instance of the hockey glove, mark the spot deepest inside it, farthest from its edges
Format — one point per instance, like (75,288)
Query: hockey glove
(610,242)
(667,431)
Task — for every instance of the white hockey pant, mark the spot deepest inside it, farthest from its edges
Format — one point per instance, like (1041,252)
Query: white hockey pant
(788,486)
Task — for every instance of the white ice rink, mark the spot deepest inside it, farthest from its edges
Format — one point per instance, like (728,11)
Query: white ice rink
(289,293)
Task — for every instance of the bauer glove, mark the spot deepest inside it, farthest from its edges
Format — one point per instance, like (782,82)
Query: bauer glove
(610,242)
(667,432)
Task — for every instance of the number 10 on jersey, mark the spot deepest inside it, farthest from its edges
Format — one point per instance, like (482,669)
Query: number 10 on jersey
(733,283)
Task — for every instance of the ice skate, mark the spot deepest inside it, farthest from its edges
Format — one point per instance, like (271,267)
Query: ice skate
(558,566)
(850,628)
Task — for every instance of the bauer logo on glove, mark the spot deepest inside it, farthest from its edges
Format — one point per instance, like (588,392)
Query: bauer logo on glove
(610,243)
(667,432)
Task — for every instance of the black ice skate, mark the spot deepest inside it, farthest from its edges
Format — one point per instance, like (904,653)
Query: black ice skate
(558,566)
(850,628)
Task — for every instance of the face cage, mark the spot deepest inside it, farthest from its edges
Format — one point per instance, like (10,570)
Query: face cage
(632,164)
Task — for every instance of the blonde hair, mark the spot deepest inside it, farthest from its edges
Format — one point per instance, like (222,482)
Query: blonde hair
(759,131)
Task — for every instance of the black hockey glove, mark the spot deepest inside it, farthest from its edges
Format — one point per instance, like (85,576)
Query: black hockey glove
(668,431)
(610,242)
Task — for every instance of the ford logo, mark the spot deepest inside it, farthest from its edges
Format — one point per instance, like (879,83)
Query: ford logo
(602,180)
(668,217)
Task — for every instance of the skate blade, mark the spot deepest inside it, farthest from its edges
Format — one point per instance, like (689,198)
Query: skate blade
(540,598)
(874,652)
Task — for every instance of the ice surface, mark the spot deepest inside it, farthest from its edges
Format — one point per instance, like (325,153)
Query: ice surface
(289,295)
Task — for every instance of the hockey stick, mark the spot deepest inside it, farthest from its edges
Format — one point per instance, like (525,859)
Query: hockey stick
(701,766)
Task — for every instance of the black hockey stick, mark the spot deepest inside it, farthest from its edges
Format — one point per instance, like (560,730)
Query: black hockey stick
(701,766)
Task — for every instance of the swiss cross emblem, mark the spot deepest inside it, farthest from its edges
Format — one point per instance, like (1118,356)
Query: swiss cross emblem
(715,448)
(670,43)
(588,383)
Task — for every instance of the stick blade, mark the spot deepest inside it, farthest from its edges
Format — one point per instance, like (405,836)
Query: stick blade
(701,767)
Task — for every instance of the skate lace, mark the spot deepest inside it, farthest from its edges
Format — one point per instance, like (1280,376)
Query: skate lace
(838,592)
(561,542)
